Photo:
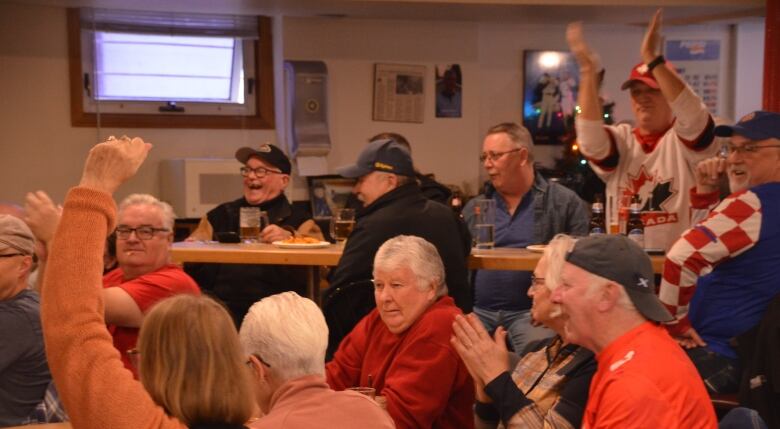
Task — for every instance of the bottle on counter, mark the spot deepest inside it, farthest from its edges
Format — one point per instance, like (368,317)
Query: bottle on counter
(635,228)
(598,223)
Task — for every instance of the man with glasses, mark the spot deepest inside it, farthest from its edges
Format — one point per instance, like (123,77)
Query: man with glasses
(266,171)
(738,245)
(24,373)
(529,210)
(145,274)
(656,158)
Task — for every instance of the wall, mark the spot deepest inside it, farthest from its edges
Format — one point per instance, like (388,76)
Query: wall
(38,147)
(749,65)
(40,150)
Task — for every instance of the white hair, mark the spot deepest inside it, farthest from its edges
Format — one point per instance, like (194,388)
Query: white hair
(555,255)
(168,216)
(598,283)
(419,255)
(289,333)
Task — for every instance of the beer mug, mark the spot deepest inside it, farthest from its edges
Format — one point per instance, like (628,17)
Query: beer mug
(249,224)
(341,224)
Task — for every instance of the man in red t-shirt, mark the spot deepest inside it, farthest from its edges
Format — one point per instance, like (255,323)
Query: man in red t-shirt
(145,275)
(644,378)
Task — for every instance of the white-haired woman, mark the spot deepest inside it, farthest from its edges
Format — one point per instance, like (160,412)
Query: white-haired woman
(402,347)
(285,337)
(549,385)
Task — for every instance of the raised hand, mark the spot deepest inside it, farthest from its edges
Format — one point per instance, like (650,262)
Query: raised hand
(708,173)
(579,48)
(41,215)
(652,41)
(111,163)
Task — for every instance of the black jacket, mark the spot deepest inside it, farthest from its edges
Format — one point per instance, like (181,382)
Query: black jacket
(406,211)
(240,285)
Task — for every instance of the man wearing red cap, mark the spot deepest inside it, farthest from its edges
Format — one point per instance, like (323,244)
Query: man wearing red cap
(656,158)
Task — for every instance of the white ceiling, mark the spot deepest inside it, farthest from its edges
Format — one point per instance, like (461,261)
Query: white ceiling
(522,11)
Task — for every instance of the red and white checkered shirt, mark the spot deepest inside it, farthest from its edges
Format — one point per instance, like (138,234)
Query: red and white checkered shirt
(731,229)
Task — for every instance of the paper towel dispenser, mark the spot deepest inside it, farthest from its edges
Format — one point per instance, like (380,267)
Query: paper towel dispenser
(306,85)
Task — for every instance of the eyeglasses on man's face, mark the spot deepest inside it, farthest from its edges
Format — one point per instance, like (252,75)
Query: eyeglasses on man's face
(143,232)
(750,147)
(11,255)
(495,156)
(536,282)
(260,172)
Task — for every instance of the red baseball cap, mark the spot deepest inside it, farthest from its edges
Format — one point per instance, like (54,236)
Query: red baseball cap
(641,74)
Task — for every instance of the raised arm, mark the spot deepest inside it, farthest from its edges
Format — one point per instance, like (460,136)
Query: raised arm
(671,85)
(92,382)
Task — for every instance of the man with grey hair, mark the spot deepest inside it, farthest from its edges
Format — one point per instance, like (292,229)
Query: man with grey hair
(24,373)
(644,378)
(285,337)
(529,210)
(145,274)
(402,348)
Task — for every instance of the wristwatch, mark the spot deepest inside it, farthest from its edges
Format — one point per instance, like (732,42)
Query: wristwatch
(655,63)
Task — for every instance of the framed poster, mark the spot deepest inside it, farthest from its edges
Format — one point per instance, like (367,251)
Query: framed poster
(550,84)
(698,62)
(399,93)
(449,91)
(327,193)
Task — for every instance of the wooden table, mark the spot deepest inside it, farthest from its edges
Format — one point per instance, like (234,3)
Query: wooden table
(267,254)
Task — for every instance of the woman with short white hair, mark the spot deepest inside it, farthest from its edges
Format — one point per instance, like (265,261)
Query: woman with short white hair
(285,337)
(402,348)
(549,385)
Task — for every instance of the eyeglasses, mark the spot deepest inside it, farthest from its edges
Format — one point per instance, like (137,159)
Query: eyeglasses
(536,282)
(142,232)
(751,147)
(495,156)
(260,172)
(11,255)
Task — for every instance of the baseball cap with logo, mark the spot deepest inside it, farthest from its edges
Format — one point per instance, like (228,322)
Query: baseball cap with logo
(15,236)
(640,74)
(380,155)
(618,258)
(758,125)
(268,153)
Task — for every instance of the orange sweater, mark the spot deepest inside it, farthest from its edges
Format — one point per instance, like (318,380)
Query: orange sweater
(94,386)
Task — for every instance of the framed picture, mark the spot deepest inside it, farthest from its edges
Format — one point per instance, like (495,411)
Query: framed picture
(399,93)
(327,193)
(449,91)
(550,84)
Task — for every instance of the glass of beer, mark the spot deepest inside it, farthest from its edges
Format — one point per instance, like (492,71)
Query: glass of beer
(341,224)
(249,224)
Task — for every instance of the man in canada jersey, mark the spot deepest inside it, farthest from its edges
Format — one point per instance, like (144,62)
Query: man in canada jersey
(656,158)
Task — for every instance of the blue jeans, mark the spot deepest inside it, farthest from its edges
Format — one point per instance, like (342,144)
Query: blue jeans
(720,374)
(517,324)
(742,418)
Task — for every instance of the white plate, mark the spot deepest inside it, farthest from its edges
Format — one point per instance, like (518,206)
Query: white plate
(538,248)
(283,245)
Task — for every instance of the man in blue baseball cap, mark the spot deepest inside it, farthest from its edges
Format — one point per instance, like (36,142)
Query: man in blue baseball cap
(394,205)
(739,246)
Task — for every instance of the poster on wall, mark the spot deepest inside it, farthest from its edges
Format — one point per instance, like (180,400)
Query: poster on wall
(449,91)
(550,84)
(399,93)
(698,62)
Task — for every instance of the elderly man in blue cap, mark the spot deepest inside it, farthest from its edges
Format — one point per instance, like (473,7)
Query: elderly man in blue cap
(394,205)
(729,259)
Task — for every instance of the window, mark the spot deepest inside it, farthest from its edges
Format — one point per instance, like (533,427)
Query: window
(151,69)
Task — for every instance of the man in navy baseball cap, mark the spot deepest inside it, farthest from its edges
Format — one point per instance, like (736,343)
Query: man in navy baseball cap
(754,132)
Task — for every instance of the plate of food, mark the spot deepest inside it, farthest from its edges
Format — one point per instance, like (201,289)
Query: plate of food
(300,243)
(538,248)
